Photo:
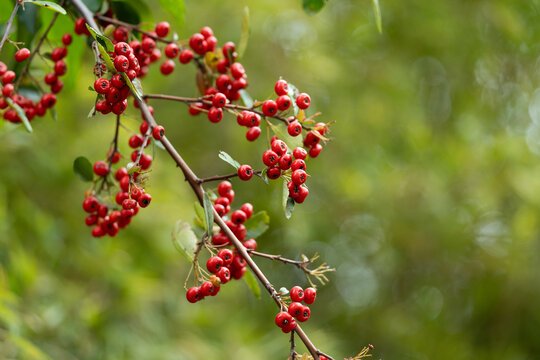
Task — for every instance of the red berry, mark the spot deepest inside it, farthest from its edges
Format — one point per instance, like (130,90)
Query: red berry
(198,43)
(245,172)
(285,162)
(222,66)
(101,85)
(311,139)
(223,82)
(91,219)
(90,204)
(290,327)
(148,45)
(66,39)
(224,275)
(167,67)
(80,27)
(144,200)
(250,244)
(220,209)
(8,90)
(309,295)
(321,128)
(281,87)
(143,128)
(195,108)
(158,132)
(237,70)
(269,108)
(279,147)
(298,164)
(171,50)
(208,289)
(60,68)
(215,114)
(220,239)
(58,54)
(228,50)
(224,187)
(145,162)
(207,32)
(123,48)
(302,194)
(48,100)
(283,102)
(247,208)
(295,309)
(299,153)
(219,100)
(22,55)
(270,158)
(303,101)
(120,34)
(186,56)
(120,173)
(283,318)
(101,168)
(299,177)
(57,86)
(214,264)
(97,231)
(294,128)
(238,217)
(297,294)
(121,63)
(194,294)
(226,255)
(253,133)
(135,141)
(273,172)
(304,315)
(237,273)
(315,150)
(3,68)
(8,77)
(119,107)
(222,201)
(252,119)
(162,29)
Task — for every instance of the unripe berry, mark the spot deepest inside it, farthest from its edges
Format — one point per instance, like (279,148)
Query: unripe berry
(269,108)
(309,295)
(270,158)
(294,128)
(162,29)
(22,55)
(158,132)
(303,101)
(245,172)
(299,153)
(171,50)
(297,294)
(167,67)
(193,294)
(214,264)
(215,114)
(186,56)
(253,133)
(281,87)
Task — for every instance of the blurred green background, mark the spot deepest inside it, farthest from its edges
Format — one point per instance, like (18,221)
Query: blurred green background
(427,202)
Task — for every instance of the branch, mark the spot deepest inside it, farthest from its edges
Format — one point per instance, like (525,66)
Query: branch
(131,27)
(10,23)
(225,177)
(193,181)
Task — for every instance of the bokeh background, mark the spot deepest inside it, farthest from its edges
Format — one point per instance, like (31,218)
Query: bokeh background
(427,202)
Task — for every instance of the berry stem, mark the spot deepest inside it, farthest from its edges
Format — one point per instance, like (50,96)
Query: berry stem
(10,23)
(38,46)
(225,177)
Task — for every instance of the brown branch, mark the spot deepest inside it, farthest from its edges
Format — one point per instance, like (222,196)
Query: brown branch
(36,50)
(193,180)
(225,177)
(10,23)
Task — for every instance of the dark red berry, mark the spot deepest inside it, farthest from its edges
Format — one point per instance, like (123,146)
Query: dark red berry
(102,86)
(237,70)
(22,55)
(66,39)
(186,56)
(158,132)
(208,289)
(283,102)
(103,107)
(145,161)
(309,295)
(57,86)
(315,150)
(214,264)
(215,114)
(304,315)
(162,29)
(299,177)
(148,45)
(297,294)
(8,90)
(8,77)
(294,128)
(121,34)
(281,87)
(119,107)
(80,27)
(303,101)
(289,327)
(253,133)
(120,173)
(252,119)
(245,172)
(238,217)
(194,294)
(269,108)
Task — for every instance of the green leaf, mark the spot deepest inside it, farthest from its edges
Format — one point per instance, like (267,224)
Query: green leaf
(21,114)
(208,214)
(134,90)
(378,17)
(242,45)
(313,6)
(184,240)
(293,92)
(227,158)
(199,215)
(83,168)
(132,168)
(282,133)
(48,5)
(92,5)
(257,224)
(176,8)
(103,40)
(252,284)
(289,207)
(29,18)
(132,11)
(159,144)
(137,84)
(92,112)
(246,98)
(102,44)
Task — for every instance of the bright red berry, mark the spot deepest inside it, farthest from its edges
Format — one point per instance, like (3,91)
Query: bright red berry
(283,318)
(8,90)
(101,168)
(279,147)
(171,50)
(57,86)
(90,204)
(304,316)
(198,44)
(239,217)
(66,39)
(22,55)
(215,114)
(60,68)
(245,172)
(281,87)
(48,100)
(295,309)
(121,34)
(194,294)
(102,86)
(253,133)
(158,132)
(219,100)
(237,70)
(273,172)
(315,150)
(207,32)
(252,119)
(226,255)
(224,275)
(299,177)
(294,128)
(186,56)
(299,153)
(290,327)
(119,107)
(208,289)
(144,200)
(250,244)
(269,108)
(146,161)
(309,295)
(80,27)
(297,294)
(148,45)
(162,29)
(224,187)
(228,50)
(247,208)
(167,67)
(283,102)
(214,264)
(285,162)
(298,164)
(123,48)
(270,158)
(8,77)
(303,101)
(121,63)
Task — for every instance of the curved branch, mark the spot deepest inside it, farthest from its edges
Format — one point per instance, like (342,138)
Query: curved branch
(10,23)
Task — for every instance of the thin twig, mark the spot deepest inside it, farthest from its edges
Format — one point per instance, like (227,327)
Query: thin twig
(292,355)
(225,177)
(10,23)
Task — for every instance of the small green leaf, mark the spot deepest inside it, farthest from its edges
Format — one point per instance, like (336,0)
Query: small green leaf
(199,215)
(92,112)
(184,240)
(21,113)
(132,168)
(103,40)
(176,9)
(83,168)
(242,45)
(378,17)
(134,90)
(313,6)
(252,284)
(282,133)
(257,224)
(227,158)
(208,214)
(293,92)
(137,84)
(289,207)
(246,98)
(48,5)
(159,144)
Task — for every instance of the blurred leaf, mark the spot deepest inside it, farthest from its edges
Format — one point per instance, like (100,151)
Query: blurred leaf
(48,5)
(252,284)
(159,144)
(29,18)
(282,133)
(132,11)
(257,224)
(133,89)
(246,98)
(21,114)
(242,45)
(208,213)
(83,168)
(137,84)
(227,158)
(26,349)
(103,40)
(199,215)
(176,8)
(184,239)
(92,112)
(293,92)
(132,168)
(378,18)
(93,5)
(289,207)
(313,6)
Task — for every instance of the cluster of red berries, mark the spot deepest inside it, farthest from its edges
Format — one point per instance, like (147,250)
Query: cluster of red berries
(48,100)
(296,310)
